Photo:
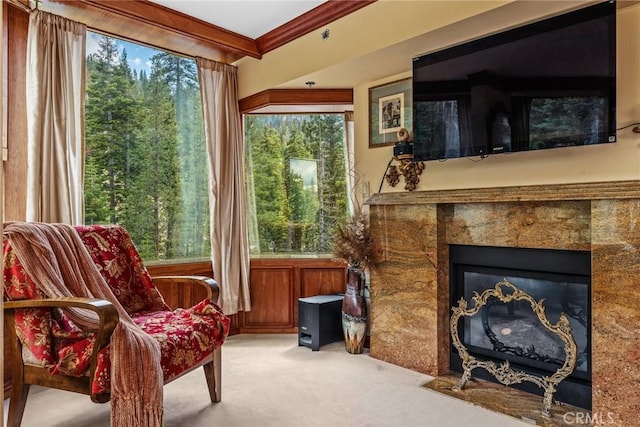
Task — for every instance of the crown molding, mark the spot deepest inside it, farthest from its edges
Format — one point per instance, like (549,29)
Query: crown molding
(140,20)
(322,15)
(157,26)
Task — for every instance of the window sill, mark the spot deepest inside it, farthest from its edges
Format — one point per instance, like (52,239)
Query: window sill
(292,256)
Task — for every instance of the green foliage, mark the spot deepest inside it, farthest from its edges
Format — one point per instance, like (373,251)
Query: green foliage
(111,130)
(296,213)
(145,162)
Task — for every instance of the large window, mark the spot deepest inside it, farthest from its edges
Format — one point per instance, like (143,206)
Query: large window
(296,181)
(145,150)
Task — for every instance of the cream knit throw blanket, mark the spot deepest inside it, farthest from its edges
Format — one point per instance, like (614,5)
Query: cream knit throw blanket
(54,256)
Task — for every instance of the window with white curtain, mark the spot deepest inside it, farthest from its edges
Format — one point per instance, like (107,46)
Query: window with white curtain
(145,149)
(296,181)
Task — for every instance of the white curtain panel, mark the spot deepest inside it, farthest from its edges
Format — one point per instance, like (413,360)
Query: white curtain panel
(350,161)
(55,119)
(227,202)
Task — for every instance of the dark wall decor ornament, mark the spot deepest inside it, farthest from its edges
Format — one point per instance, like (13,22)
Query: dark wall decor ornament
(403,154)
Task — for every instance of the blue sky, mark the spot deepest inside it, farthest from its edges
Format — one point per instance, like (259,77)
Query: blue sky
(138,55)
(307,169)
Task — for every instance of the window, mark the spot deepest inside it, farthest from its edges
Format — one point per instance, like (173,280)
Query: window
(296,181)
(145,151)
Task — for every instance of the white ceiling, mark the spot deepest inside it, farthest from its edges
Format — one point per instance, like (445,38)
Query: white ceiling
(251,18)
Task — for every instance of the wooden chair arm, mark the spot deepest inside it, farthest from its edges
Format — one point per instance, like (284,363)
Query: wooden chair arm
(97,305)
(106,311)
(213,291)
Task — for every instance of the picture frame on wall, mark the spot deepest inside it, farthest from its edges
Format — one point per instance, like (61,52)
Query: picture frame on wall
(390,109)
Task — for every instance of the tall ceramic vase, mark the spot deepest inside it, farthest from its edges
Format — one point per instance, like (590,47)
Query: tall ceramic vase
(354,312)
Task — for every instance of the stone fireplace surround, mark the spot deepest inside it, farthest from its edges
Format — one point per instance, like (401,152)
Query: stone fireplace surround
(410,306)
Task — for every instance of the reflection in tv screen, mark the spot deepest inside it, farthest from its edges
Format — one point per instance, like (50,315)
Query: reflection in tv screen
(536,124)
(545,85)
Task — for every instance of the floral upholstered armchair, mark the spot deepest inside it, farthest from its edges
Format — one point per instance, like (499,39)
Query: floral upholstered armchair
(51,350)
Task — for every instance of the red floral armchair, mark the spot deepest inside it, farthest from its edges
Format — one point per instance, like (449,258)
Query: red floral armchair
(49,350)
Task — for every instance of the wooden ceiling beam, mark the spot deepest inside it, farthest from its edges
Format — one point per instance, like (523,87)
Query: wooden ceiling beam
(295,97)
(161,27)
(157,26)
(171,20)
(319,16)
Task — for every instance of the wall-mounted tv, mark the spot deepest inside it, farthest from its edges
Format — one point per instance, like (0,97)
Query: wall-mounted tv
(544,85)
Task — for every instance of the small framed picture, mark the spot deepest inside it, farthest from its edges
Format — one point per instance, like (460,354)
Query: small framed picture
(389,111)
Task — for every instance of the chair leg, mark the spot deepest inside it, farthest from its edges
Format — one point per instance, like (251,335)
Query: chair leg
(19,390)
(213,373)
(17,403)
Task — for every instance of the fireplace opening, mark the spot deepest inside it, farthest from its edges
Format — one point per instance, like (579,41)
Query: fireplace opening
(512,332)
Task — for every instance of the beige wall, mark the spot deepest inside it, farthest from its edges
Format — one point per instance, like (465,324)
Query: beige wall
(364,53)
(618,161)
(363,46)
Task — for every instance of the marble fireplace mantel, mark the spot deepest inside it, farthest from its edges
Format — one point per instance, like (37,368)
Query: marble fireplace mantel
(410,306)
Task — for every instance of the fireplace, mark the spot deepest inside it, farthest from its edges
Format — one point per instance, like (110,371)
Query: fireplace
(410,291)
(512,332)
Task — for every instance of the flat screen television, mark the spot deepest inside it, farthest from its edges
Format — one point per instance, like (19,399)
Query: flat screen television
(543,85)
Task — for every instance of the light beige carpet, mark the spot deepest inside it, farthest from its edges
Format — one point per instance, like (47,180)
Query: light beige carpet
(269,381)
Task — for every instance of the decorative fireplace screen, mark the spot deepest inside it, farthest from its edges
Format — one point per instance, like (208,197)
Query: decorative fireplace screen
(503,372)
(511,331)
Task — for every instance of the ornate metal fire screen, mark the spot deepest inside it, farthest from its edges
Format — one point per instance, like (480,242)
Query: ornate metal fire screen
(503,372)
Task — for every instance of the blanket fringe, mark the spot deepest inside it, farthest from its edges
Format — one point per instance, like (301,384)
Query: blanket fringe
(127,412)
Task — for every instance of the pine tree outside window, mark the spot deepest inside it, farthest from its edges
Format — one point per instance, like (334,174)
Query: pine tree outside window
(296,182)
(145,164)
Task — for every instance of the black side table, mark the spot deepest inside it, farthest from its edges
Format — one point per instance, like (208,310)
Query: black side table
(319,320)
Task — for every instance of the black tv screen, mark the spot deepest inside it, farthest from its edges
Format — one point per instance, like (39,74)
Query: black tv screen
(544,85)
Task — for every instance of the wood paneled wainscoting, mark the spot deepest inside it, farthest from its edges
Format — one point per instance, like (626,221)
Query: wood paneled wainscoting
(275,286)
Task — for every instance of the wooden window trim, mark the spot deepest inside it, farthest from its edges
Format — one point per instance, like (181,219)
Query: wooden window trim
(293,100)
